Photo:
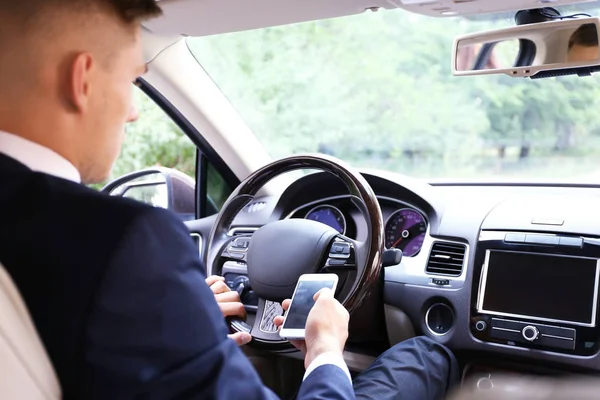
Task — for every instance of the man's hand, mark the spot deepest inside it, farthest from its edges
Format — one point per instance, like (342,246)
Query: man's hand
(326,327)
(230,304)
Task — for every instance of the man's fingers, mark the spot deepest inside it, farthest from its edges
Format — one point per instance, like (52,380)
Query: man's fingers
(213,278)
(325,292)
(219,287)
(241,338)
(228,297)
(233,310)
(286,304)
(278,321)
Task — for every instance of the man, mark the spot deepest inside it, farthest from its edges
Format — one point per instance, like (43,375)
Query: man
(583,44)
(230,305)
(115,287)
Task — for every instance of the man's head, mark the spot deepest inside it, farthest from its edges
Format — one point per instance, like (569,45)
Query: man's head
(66,73)
(583,44)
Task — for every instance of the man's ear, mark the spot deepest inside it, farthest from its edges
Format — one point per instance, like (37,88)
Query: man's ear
(79,81)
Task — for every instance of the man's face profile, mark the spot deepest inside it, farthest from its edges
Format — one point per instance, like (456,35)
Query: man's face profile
(79,82)
(579,52)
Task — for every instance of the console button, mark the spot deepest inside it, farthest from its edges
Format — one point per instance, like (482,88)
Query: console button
(556,337)
(557,331)
(556,342)
(506,334)
(530,333)
(507,324)
(571,241)
(541,239)
(514,238)
(480,326)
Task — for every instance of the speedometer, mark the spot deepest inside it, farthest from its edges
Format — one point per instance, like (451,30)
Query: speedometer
(405,230)
(329,215)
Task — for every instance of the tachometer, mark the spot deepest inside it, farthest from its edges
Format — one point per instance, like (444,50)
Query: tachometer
(329,215)
(405,230)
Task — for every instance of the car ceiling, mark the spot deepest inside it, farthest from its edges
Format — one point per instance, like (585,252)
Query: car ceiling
(208,17)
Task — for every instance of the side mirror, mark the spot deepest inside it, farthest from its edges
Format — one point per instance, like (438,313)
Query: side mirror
(569,46)
(159,187)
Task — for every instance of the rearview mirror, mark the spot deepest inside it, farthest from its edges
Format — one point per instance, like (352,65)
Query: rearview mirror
(527,50)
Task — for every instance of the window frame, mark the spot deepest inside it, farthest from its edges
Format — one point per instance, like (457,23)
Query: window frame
(205,153)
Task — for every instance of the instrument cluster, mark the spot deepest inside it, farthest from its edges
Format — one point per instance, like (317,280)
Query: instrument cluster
(405,226)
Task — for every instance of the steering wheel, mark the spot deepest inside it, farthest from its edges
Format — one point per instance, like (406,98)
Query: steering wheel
(276,254)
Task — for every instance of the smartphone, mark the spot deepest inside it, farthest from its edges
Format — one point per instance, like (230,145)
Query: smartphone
(308,285)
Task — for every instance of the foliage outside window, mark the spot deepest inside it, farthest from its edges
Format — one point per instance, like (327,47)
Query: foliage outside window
(154,140)
(376,90)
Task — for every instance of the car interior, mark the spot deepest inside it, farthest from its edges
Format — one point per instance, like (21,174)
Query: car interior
(504,271)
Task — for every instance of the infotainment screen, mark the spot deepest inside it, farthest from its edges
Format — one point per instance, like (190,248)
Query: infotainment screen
(540,287)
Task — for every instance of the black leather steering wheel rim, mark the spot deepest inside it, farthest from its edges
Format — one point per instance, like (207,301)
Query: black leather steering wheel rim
(369,258)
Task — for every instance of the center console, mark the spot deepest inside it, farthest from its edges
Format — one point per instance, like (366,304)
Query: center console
(537,291)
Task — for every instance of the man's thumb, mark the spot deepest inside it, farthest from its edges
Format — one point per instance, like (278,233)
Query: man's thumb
(325,292)
(241,338)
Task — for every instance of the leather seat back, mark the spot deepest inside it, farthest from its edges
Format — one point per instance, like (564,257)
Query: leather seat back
(25,369)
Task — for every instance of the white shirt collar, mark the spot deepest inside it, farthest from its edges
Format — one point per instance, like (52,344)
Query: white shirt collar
(37,157)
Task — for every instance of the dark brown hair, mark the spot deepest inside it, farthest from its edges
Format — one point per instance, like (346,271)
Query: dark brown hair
(586,35)
(131,11)
(128,11)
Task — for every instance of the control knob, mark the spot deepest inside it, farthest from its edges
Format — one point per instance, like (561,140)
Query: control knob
(530,333)
(241,284)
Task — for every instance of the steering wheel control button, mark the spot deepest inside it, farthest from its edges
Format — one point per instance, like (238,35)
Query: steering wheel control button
(439,319)
(480,326)
(240,244)
(340,249)
(530,333)
(336,262)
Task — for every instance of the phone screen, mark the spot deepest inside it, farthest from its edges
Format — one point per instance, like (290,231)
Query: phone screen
(303,302)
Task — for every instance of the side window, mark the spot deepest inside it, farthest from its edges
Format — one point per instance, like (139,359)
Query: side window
(217,190)
(155,141)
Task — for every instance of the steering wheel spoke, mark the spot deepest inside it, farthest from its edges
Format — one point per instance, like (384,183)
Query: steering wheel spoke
(342,254)
(237,248)
(264,330)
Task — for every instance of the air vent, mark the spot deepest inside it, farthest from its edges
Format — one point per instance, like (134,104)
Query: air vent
(446,259)
(256,206)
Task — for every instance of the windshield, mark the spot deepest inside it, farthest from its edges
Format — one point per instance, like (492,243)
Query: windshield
(376,90)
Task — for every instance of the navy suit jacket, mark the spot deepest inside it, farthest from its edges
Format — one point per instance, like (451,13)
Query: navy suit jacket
(116,290)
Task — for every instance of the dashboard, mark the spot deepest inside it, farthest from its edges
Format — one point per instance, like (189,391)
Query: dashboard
(502,272)
(405,225)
